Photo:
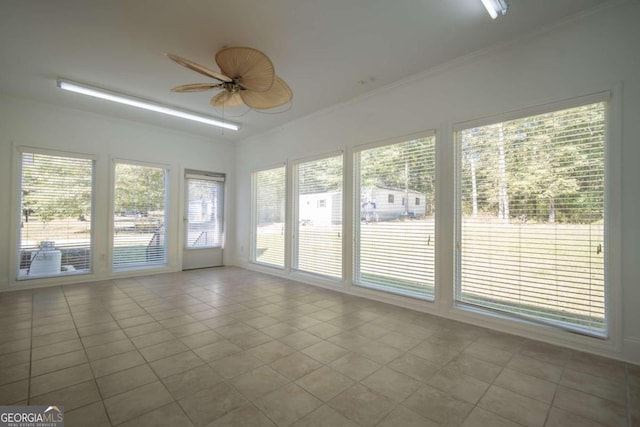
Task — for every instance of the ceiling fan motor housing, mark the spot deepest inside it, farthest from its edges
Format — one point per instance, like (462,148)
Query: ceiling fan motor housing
(232,87)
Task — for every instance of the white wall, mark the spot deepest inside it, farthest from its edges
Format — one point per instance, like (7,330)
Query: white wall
(591,53)
(49,127)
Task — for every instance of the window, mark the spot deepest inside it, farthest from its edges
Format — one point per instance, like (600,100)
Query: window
(531,218)
(205,211)
(269,216)
(318,231)
(417,201)
(394,245)
(140,201)
(322,203)
(55,234)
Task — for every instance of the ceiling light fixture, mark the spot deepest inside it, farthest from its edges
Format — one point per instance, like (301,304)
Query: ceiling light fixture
(144,104)
(495,7)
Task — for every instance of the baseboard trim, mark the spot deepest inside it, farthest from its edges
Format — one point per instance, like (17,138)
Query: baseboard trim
(631,350)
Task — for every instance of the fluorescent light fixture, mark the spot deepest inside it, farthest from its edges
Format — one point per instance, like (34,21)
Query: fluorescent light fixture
(144,104)
(495,7)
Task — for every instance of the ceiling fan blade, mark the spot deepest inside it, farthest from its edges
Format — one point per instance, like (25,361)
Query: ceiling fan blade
(199,68)
(227,100)
(278,95)
(196,87)
(252,68)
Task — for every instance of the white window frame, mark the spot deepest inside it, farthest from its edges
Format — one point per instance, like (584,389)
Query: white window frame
(254,222)
(205,176)
(295,217)
(612,230)
(19,150)
(355,179)
(167,220)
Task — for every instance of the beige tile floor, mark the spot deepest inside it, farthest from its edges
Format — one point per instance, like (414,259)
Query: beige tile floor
(229,347)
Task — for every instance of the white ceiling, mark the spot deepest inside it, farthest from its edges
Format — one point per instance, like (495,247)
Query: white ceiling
(328,51)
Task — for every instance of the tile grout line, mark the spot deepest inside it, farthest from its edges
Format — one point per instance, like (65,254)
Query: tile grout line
(30,349)
(558,385)
(475,405)
(172,296)
(162,380)
(627,394)
(95,382)
(158,379)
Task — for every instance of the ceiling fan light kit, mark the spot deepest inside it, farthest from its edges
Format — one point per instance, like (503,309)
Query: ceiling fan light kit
(143,104)
(247,77)
(495,7)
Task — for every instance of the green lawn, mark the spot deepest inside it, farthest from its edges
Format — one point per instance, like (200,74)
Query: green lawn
(130,242)
(270,245)
(531,268)
(512,267)
(522,268)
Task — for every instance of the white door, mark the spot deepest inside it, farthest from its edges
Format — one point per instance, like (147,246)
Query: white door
(203,220)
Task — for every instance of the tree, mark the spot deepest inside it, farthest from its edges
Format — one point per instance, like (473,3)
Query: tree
(485,173)
(139,188)
(559,163)
(408,166)
(320,176)
(470,160)
(270,192)
(56,187)
(548,167)
(503,194)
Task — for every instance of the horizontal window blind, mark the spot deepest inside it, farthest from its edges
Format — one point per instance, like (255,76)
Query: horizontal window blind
(269,188)
(531,207)
(205,212)
(318,235)
(395,238)
(140,216)
(56,221)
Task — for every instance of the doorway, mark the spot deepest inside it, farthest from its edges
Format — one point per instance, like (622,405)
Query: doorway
(203,220)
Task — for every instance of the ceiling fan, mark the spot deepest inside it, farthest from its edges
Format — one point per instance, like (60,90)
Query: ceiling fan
(247,77)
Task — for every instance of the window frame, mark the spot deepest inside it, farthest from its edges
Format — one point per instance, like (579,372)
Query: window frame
(19,151)
(295,216)
(612,223)
(356,223)
(168,227)
(213,177)
(254,222)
